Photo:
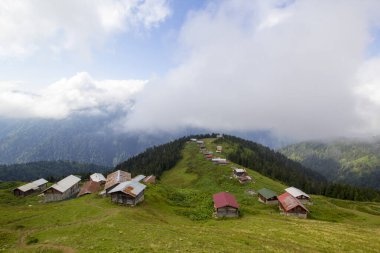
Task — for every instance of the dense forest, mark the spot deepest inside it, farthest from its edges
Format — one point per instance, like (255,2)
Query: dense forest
(157,159)
(50,170)
(277,166)
(347,161)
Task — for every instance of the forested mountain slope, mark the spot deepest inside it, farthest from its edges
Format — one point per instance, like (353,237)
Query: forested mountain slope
(51,170)
(353,162)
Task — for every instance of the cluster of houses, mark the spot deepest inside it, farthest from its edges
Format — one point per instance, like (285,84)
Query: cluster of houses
(290,203)
(125,190)
(119,186)
(209,155)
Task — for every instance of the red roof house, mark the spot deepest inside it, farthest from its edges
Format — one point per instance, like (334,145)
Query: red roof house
(291,206)
(89,187)
(225,205)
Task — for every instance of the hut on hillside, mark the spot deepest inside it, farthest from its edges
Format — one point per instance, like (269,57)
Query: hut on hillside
(219,149)
(219,161)
(150,180)
(116,178)
(239,172)
(225,205)
(138,178)
(128,193)
(89,187)
(64,189)
(267,196)
(300,195)
(30,188)
(291,206)
(98,177)
(241,175)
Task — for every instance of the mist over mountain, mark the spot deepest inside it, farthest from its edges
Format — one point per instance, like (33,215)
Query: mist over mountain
(88,139)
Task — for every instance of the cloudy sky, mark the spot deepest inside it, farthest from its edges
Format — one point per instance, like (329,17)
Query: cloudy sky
(301,69)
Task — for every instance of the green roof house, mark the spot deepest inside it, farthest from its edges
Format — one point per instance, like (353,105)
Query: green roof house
(267,196)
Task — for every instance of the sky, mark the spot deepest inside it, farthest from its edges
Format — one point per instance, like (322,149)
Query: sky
(301,69)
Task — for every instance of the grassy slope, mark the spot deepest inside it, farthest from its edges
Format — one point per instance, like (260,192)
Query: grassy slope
(176,216)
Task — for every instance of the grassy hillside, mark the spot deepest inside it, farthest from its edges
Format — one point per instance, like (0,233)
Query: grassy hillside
(347,161)
(176,217)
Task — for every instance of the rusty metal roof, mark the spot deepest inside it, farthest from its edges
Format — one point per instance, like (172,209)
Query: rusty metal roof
(130,187)
(32,185)
(117,177)
(289,202)
(223,199)
(89,187)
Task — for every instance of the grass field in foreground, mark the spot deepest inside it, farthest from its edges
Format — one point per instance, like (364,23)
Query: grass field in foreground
(177,217)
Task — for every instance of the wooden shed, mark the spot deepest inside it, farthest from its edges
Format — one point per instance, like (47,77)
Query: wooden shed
(116,178)
(225,205)
(219,149)
(128,193)
(150,179)
(300,195)
(64,189)
(98,177)
(267,196)
(239,172)
(291,206)
(138,178)
(89,187)
(30,188)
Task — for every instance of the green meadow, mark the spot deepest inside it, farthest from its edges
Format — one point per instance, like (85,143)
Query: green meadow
(176,216)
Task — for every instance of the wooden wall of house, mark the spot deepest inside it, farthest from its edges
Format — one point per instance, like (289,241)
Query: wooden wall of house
(227,212)
(54,195)
(125,199)
(297,211)
(271,201)
(303,199)
(18,192)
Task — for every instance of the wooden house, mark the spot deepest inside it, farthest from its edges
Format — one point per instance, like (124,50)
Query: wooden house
(225,205)
(291,206)
(128,193)
(116,178)
(239,172)
(30,188)
(149,180)
(89,187)
(300,195)
(267,196)
(98,177)
(244,179)
(138,178)
(220,161)
(64,189)
(219,149)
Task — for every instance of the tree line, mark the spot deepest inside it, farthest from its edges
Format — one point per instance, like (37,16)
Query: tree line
(50,170)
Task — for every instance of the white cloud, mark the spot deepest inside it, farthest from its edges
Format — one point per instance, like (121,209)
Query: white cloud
(29,26)
(253,65)
(78,94)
